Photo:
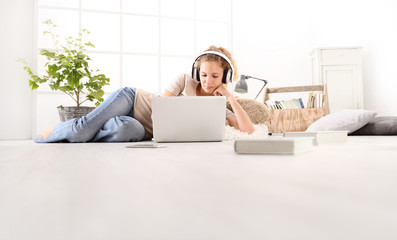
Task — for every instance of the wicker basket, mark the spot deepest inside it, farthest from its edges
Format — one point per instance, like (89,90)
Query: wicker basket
(67,113)
(291,120)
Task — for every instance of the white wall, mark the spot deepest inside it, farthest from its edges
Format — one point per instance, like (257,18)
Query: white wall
(273,40)
(16,40)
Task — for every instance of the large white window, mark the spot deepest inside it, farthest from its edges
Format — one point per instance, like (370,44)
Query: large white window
(144,44)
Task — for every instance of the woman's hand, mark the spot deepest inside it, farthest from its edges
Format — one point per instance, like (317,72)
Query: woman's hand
(222,91)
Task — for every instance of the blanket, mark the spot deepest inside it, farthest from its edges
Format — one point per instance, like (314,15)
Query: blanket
(231,133)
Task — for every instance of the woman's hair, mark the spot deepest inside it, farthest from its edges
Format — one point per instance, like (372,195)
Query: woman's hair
(216,58)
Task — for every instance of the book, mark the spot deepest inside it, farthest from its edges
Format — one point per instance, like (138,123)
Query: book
(321,137)
(315,100)
(285,104)
(279,105)
(274,145)
(272,104)
(301,103)
(309,100)
(293,103)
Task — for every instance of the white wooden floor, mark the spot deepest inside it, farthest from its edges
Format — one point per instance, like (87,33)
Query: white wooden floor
(197,191)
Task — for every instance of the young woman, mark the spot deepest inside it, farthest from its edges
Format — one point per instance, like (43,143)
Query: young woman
(125,116)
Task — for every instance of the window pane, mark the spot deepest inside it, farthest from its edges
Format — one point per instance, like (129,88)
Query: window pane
(141,7)
(140,34)
(218,11)
(59,3)
(108,64)
(177,37)
(105,5)
(177,8)
(141,72)
(172,67)
(217,34)
(105,30)
(67,22)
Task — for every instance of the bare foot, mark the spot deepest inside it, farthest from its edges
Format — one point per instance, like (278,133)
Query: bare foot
(47,132)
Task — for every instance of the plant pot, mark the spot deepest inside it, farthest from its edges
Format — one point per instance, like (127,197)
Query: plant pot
(67,113)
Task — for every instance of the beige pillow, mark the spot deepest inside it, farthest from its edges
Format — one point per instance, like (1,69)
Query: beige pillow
(258,112)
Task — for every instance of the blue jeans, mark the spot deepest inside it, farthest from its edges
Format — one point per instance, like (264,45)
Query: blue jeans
(112,121)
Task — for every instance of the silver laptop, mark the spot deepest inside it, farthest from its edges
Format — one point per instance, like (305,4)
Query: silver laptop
(188,119)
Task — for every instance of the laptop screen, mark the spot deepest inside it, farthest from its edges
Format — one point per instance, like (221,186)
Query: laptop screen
(187,119)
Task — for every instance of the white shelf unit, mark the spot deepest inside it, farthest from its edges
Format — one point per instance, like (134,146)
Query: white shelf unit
(341,70)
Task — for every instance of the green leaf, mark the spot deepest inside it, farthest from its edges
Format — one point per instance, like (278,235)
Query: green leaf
(67,68)
(33,85)
(65,88)
(47,53)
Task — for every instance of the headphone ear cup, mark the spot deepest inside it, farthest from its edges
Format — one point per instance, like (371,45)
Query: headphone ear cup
(227,76)
(195,75)
(224,78)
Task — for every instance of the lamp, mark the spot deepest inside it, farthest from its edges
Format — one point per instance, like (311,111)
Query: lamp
(242,87)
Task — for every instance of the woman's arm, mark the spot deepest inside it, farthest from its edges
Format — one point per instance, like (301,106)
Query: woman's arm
(242,121)
(177,86)
(168,94)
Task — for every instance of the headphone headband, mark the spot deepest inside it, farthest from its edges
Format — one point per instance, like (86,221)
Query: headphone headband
(220,55)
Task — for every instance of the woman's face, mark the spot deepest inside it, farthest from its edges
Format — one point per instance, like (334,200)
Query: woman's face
(211,74)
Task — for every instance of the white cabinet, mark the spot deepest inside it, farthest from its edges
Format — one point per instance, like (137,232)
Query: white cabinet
(341,70)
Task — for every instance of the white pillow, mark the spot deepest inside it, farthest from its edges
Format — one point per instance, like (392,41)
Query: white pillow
(345,120)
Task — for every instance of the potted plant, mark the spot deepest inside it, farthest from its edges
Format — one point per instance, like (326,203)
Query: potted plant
(67,70)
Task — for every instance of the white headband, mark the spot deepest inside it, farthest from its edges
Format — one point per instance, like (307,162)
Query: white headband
(218,54)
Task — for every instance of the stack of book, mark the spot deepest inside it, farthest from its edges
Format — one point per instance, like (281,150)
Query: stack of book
(289,143)
(315,100)
(274,145)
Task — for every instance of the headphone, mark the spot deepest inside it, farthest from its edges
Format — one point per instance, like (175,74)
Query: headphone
(227,73)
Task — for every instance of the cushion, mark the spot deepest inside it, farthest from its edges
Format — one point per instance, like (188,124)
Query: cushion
(346,120)
(379,126)
(258,112)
